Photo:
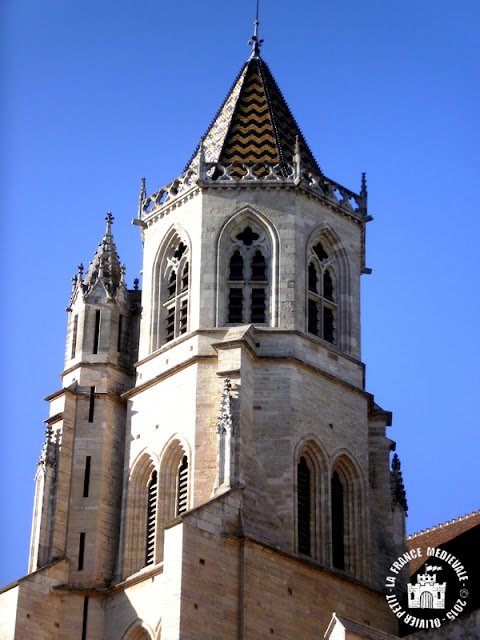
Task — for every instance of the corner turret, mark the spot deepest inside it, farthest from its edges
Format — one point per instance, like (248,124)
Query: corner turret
(82,460)
(100,310)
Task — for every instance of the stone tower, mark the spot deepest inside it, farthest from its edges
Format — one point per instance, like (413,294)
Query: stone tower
(80,473)
(215,468)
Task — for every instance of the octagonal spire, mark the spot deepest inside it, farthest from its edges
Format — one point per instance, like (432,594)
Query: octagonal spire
(254,124)
(106,265)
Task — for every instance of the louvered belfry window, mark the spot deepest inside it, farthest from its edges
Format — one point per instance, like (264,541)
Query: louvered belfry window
(182,492)
(176,298)
(321,305)
(151,519)
(303,507)
(248,278)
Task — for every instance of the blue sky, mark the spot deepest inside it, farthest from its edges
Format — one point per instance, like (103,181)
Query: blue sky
(99,93)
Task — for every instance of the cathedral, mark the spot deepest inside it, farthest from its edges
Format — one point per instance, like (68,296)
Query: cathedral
(213,467)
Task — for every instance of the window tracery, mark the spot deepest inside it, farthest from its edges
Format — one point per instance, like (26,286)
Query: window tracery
(172,280)
(176,304)
(321,303)
(248,277)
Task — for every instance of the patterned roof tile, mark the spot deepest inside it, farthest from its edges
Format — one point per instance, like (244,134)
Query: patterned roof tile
(254,124)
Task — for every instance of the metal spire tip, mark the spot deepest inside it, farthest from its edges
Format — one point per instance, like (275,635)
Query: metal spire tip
(255,42)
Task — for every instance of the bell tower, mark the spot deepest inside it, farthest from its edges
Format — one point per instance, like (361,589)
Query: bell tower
(214,466)
(250,386)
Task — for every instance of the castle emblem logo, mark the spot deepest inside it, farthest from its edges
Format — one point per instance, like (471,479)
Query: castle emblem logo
(427,593)
(438,591)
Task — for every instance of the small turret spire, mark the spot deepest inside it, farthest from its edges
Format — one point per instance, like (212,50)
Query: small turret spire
(297,159)
(141,198)
(105,264)
(109,218)
(363,190)
(363,195)
(201,160)
(396,484)
(255,42)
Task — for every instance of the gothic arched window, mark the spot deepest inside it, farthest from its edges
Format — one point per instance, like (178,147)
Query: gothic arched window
(304,507)
(151,519)
(157,493)
(137,633)
(321,304)
(347,524)
(338,522)
(174,482)
(170,315)
(176,303)
(141,541)
(311,534)
(248,277)
(182,486)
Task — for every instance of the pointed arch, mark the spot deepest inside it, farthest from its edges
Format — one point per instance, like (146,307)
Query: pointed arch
(247,270)
(348,536)
(158,630)
(141,543)
(138,630)
(175,483)
(328,287)
(310,474)
(144,460)
(171,284)
(174,478)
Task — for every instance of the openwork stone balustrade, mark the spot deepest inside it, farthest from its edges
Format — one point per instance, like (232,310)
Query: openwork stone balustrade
(265,173)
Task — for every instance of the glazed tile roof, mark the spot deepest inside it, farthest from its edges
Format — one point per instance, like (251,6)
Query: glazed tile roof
(254,124)
(440,534)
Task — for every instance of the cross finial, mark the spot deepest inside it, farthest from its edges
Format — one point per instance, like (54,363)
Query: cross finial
(255,42)
(109,218)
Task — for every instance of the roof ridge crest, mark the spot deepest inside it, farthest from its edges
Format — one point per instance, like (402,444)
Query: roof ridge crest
(270,107)
(443,524)
(302,137)
(213,120)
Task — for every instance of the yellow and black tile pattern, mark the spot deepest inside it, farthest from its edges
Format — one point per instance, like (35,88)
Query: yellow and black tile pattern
(251,136)
(262,128)
(255,125)
(285,126)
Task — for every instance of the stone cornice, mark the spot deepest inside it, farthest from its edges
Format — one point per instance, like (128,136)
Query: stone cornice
(77,394)
(241,342)
(173,343)
(302,365)
(127,372)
